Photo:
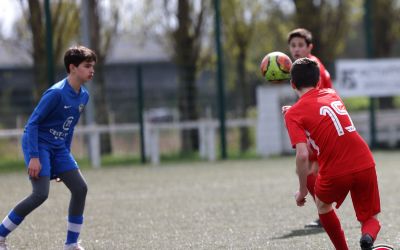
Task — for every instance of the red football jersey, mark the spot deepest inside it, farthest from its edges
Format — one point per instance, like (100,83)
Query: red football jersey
(321,117)
(324,76)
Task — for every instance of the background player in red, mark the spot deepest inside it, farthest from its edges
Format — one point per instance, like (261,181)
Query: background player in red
(300,45)
(345,161)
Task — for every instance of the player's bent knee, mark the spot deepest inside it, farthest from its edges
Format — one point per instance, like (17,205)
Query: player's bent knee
(39,198)
(322,207)
(84,189)
(80,190)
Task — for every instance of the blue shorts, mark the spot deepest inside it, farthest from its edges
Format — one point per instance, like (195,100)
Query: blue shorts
(54,161)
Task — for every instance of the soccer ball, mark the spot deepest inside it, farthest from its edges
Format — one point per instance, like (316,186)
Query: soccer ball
(275,67)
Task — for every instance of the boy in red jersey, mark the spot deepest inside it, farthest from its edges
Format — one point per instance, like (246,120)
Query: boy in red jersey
(300,45)
(345,161)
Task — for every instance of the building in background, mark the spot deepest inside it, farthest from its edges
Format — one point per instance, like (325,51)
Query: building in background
(158,71)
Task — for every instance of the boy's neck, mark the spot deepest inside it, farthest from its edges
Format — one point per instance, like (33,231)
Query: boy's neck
(75,84)
(301,92)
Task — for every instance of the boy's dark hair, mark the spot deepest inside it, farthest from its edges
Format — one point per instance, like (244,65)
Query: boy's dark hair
(300,32)
(78,54)
(304,73)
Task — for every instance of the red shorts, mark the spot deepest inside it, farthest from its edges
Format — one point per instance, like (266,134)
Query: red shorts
(363,188)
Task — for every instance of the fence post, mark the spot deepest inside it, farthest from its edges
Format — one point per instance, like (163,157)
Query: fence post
(203,139)
(155,148)
(392,132)
(20,125)
(211,128)
(147,138)
(94,141)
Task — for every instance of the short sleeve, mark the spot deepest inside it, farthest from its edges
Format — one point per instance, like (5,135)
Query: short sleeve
(296,131)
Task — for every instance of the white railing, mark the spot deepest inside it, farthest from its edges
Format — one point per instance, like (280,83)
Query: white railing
(387,124)
(207,136)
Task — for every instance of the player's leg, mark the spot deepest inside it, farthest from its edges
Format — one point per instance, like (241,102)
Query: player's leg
(75,182)
(328,191)
(366,202)
(311,179)
(40,192)
(331,224)
(369,228)
(68,171)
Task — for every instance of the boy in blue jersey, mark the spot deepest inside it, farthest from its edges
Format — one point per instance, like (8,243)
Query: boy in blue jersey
(46,145)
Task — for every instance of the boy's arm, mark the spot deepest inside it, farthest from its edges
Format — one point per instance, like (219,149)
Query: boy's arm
(48,102)
(302,170)
(285,109)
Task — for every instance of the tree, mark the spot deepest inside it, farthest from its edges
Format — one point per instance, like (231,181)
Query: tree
(251,29)
(186,40)
(329,23)
(64,20)
(239,19)
(39,47)
(385,13)
(101,36)
(180,28)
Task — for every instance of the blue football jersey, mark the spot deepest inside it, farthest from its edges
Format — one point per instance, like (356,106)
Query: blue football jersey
(54,118)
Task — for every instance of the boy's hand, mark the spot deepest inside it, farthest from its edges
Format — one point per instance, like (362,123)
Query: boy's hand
(285,109)
(300,198)
(34,168)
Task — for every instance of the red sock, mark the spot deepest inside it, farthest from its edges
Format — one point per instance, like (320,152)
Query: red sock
(371,227)
(311,178)
(332,226)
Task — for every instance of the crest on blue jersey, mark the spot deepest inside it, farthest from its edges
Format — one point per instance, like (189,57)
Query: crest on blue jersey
(383,247)
(68,122)
(81,107)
